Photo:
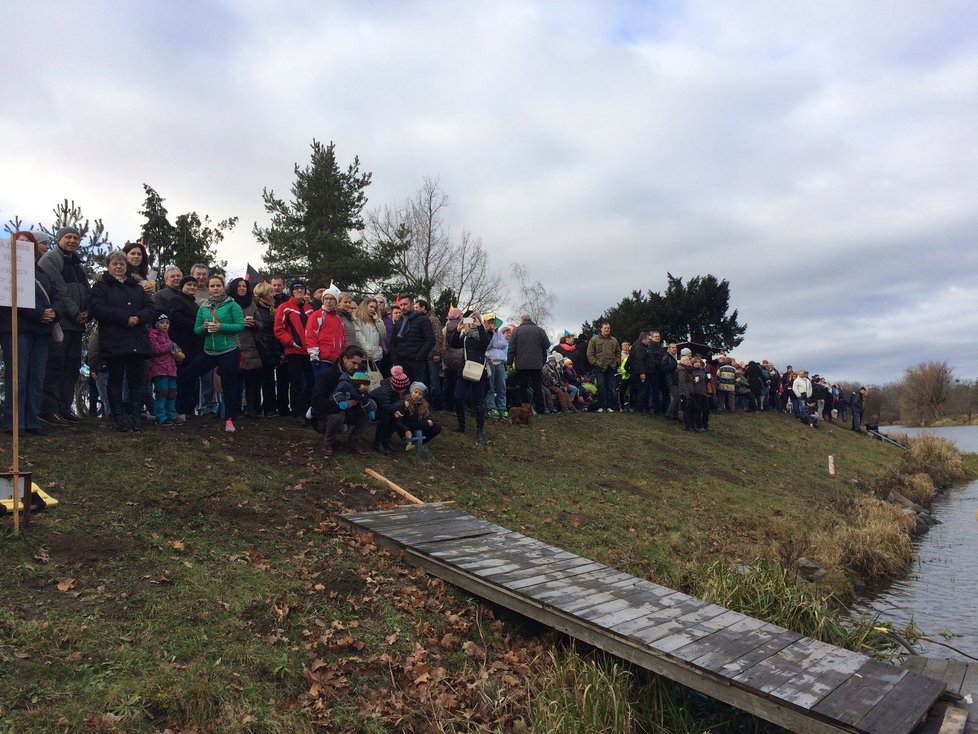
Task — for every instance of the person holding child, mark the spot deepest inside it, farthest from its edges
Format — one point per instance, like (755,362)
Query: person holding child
(339,397)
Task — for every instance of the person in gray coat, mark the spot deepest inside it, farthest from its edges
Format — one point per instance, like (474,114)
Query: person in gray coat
(528,354)
(70,282)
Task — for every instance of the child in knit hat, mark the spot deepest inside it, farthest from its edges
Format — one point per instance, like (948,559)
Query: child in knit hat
(163,371)
(388,396)
(413,421)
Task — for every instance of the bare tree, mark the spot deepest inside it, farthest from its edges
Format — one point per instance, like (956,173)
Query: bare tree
(431,262)
(535,300)
(924,391)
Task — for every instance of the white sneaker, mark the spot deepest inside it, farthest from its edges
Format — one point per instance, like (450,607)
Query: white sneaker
(600,410)
(611,410)
(229,426)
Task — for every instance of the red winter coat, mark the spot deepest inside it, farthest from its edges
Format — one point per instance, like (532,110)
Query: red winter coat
(325,336)
(290,327)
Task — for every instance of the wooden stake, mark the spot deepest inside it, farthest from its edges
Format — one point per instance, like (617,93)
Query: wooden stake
(400,490)
(12,374)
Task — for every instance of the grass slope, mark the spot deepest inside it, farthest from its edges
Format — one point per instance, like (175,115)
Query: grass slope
(196,580)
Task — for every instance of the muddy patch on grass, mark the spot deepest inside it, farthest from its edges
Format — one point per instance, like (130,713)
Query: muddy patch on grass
(621,485)
(81,547)
(343,583)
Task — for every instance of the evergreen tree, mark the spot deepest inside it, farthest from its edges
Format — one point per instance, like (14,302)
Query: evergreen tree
(695,311)
(311,236)
(191,239)
(95,244)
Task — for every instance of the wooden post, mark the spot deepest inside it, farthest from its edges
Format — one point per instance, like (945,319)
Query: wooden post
(14,377)
(401,491)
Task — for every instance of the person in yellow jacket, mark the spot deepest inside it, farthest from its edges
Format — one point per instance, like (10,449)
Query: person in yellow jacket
(603,352)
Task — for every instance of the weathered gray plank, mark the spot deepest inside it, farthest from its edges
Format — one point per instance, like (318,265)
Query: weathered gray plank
(817,681)
(697,631)
(784,664)
(667,607)
(903,705)
(970,682)
(934,668)
(400,516)
(914,663)
(859,695)
(738,632)
(557,572)
(441,531)
(745,661)
(954,675)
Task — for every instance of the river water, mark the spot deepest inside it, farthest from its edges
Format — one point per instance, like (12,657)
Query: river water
(941,592)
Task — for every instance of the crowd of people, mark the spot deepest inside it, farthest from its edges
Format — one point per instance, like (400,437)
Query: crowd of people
(194,345)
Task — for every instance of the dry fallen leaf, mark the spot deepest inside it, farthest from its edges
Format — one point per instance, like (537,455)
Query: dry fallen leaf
(66,584)
(177,545)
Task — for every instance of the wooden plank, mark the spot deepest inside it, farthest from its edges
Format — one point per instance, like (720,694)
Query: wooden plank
(667,607)
(784,665)
(817,681)
(400,516)
(954,675)
(584,594)
(557,572)
(540,588)
(969,685)
(698,631)
(560,568)
(903,706)
(914,663)
(934,668)
(955,720)
(440,532)
(852,700)
(746,632)
(738,664)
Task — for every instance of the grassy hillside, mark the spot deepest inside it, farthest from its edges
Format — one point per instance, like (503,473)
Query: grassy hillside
(192,578)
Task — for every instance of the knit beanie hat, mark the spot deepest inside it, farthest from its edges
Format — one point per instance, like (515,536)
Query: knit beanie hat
(296,284)
(418,386)
(552,357)
(187,279)
(42,237)
(360,376)
(455,313)
(162,317)
(66,230)
(398,380)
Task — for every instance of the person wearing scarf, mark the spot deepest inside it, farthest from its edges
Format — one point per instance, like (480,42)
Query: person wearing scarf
(269,349)
(220,321)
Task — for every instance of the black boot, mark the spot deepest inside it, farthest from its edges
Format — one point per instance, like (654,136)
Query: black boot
(460,414)
(136,417)
(119,423)
(480,424)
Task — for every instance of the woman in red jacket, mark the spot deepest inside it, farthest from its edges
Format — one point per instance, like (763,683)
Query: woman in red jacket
(290,328)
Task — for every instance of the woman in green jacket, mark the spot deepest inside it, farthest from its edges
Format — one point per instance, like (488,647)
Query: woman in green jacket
(219,321)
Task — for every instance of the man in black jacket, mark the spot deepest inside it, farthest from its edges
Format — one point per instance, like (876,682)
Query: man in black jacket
(70,282)
(658,390)
(639,367)
(413,340)
(669,367)
(528,353)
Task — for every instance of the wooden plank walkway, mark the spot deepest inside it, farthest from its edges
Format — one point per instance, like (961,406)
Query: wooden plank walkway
(961,679)
(799,683)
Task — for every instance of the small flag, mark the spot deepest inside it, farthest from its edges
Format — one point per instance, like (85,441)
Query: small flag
(253,276)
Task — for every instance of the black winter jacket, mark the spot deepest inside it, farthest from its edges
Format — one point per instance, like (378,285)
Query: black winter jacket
(528,347)
(413,337)
(112,303)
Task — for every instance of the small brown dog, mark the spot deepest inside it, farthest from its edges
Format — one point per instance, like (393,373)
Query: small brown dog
(521,415)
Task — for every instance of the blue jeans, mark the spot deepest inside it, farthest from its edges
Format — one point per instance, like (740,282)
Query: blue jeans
(32,358)
(604,380)
(496,399)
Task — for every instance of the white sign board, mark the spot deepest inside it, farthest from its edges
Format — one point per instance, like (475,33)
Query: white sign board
(25,274)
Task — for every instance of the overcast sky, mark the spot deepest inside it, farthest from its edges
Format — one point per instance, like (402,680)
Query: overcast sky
(822,157)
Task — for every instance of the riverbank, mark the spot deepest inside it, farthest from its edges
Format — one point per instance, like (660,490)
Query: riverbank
(192,578)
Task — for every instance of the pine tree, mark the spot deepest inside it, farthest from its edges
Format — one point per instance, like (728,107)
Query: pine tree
(188,241)
(95,244)
(311,236)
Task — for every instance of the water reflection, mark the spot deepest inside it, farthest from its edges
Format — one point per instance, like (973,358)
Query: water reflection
(941,593)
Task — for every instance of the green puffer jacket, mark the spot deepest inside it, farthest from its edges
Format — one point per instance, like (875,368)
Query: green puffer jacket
(231,319)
